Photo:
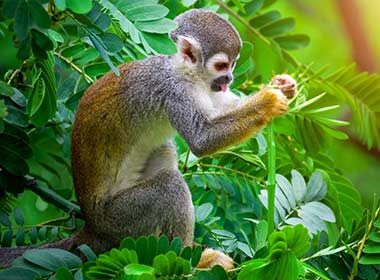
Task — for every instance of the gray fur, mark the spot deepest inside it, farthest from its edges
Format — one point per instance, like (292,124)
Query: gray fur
(159,205)
(117,115)
(213,32)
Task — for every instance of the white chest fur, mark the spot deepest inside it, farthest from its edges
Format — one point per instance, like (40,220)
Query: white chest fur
(156,133)
(215,104)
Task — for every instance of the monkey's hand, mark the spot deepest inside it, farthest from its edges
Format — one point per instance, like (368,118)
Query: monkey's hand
(286,84)
(270,103)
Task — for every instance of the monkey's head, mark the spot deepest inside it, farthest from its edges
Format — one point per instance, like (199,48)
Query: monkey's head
(209,45)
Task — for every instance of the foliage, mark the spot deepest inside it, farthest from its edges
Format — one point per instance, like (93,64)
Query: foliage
(60,47)
(298,203)
(285,247)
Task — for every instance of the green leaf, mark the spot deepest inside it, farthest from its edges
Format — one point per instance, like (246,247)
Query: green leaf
(299,185)
(111,41)
(188,3)
(124,6)
(20,237)
(253,6)
(147,12)
(97,44)
(12,161)
(3,110)
(161,265)
(116,8)
(6,241)
(293,42)
(138,269)
(332,122)
(52,259)
(36,97)
(203,211)
(5,89)
(374,236)
(4,219)
(377,224)
(87,252)
(40,42)
(261,234)
(340,135)
(18,98)
(49,105)
(250,267)
(186,253)
(9,8)
(308,102)
(287,189)
(64,274)
(88,56)
(297,239)
(60,5)
(264,19)
(16,116)
(103,22)
(97,69)
(160,43)
(128,243)
(372,259)
(163,245)
(79,7)
(19,217)
(42,233)
(318,209)
(278,27)
(372,249)
(316,188)
(39,16)
(176,245)
(19,273)
(21,23)
(142,249)
(196,256)
(160,26)
(315,271)
(33,235)
(54,35)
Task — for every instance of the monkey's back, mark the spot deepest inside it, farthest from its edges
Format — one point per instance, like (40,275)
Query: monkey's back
(110,119)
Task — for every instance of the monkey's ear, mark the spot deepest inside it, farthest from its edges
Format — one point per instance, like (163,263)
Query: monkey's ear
(188,49)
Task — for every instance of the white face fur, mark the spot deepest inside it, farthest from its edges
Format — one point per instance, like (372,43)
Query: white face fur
(219,64)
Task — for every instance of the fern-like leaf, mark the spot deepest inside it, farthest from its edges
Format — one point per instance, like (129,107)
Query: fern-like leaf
(360,91)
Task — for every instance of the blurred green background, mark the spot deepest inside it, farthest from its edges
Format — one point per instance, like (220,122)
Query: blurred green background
(332,44)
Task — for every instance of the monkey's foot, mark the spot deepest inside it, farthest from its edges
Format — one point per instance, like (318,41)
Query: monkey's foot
(211,257)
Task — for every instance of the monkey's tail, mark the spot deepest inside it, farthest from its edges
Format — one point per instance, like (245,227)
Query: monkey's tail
(8,255)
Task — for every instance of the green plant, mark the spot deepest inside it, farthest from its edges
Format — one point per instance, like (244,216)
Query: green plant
(61,47)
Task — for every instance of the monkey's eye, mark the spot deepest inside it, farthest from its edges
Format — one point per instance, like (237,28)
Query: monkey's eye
(220,66)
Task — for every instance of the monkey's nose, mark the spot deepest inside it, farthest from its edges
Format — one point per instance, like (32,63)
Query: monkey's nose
(228,78)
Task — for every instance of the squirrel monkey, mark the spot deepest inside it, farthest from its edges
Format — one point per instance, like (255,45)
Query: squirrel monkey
(123,159)
(124,162)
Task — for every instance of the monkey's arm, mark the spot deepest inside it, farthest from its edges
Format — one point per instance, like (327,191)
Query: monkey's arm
(206,136)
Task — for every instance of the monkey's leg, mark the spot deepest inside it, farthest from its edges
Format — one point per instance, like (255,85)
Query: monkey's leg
(160,205)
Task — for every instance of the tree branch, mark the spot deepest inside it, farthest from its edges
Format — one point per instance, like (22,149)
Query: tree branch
(54,198)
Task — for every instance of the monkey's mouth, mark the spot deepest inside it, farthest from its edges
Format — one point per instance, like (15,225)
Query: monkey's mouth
(219,87)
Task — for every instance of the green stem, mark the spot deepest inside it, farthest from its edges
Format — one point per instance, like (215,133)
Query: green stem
(271,184)
(54,198)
